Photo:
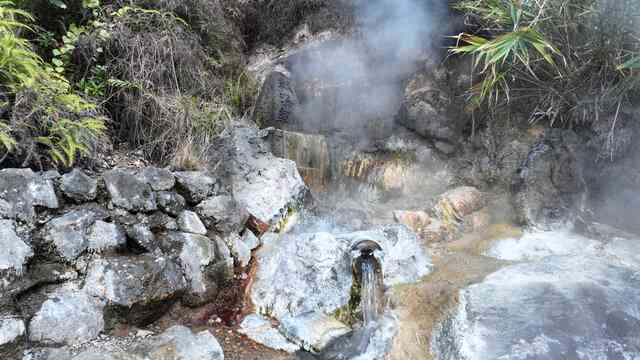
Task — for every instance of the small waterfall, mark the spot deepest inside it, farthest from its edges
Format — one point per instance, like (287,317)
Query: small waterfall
(369,293)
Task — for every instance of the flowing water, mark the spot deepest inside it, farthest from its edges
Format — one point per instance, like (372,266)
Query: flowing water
(369,292)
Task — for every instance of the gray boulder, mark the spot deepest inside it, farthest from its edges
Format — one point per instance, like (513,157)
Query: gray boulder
(12,331)
(188,221)
(176,343)
(549,186)
(142,237)
(14,252)
(160,222)
(69,233)
(105,236)
(159,179)
(277,102)
(250,239)
(222,212)
(239,249)
(302,279)
(21,190)
(69,317)
(171,202)
(311,272)
(140,287)
(301,273)
(203,268)
(262,184)
(195,186)
(260,330)
(428,109)
(78,186)
(130,190)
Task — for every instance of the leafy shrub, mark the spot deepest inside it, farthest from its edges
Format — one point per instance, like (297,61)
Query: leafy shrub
(49,123)
(559,60)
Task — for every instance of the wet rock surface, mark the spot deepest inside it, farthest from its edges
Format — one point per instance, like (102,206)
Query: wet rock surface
(549,187)
(277,102)
(429,108)
(303,278)
(569,299)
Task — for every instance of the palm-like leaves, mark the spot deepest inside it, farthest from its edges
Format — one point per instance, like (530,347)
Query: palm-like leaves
(521,46)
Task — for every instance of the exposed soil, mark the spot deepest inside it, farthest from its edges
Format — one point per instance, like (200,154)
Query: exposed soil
(238,347)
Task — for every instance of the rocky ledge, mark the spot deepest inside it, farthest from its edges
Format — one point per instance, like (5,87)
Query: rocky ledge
(81,254)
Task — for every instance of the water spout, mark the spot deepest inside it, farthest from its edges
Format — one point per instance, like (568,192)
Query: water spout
(369,291)
(368,273)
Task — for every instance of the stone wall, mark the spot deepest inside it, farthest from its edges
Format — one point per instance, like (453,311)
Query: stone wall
(80,254)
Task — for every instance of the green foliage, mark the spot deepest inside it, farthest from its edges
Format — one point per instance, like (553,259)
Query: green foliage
(557,59)
(239,92)
(47,113)
(143,18)
(19,65)
(633,63)
(95,85)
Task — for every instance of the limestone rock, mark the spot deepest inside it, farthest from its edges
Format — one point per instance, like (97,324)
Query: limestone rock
(105,236)
(14,252)
(188,221)
(464,200)
(142,237)
(178,342)
(300,274)
(130,190)
(78,186)
(222,212)
(250,239)
(414,220)
(262,184)
(260,330)
(312,331)
(159,179)
(200,265)
(239,249)
(195,186)
(171,202)
(68,233)
(69,316)
(22,190)
(11,329)
(311,272)
(143,286)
